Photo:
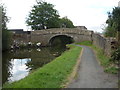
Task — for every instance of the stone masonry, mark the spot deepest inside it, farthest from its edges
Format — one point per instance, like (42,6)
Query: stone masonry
(78,35)
(44,36)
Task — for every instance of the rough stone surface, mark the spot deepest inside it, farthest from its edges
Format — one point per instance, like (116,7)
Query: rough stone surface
(44,36)
(78,35)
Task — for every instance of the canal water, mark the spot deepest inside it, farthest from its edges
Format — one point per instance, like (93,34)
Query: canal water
(19,63)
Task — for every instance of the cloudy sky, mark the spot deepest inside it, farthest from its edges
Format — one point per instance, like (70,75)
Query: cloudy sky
(19,69)
(89,13)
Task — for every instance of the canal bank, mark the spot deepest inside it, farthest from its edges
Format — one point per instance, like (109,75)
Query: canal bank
(17,64)
(51,75)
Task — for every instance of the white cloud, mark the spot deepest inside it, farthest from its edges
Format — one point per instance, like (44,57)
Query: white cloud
(19,69)
(91,13)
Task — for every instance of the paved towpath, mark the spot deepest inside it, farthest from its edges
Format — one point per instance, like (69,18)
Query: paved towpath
(91,74)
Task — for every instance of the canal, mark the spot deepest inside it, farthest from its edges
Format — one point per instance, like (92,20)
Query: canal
(19,63)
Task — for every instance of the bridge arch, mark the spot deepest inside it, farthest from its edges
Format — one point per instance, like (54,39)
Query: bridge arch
(66,39)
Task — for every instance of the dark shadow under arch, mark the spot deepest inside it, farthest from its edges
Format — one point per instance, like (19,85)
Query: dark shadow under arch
(61,39)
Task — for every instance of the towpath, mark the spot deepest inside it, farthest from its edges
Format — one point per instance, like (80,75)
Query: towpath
(91,74)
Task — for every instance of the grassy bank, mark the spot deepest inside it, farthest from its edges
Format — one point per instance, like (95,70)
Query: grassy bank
(53,74)
(105,61)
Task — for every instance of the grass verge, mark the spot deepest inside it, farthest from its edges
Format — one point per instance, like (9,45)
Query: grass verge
(105,61)
(53,74)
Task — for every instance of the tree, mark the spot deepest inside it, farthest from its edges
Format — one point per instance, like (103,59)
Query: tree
(6,36)
(116,55)
(67,23)
(113,29)
(4,17)
(43,15)
(113,22)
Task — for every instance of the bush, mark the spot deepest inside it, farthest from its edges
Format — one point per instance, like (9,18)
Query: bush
(116,55)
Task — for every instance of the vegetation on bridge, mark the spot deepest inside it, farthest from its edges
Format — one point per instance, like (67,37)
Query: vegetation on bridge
(43,15)
(52,75)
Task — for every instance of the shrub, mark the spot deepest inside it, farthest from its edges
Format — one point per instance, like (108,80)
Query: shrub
(116,55)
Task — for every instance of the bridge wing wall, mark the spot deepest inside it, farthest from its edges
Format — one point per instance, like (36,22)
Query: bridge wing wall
(102,43)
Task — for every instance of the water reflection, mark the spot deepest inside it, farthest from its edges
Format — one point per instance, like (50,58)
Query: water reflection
(19,69)
(17,64)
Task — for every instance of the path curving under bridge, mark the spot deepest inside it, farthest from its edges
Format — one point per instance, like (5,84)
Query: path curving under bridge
(91,74)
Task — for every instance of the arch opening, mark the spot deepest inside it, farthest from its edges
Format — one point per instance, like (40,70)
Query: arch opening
(60,40)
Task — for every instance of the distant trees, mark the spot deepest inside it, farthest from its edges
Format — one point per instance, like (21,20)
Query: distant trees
(6,36)
(43,15)
(65,22)
(113,23)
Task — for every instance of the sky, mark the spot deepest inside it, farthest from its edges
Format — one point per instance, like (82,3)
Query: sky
(89,13)
(19,69)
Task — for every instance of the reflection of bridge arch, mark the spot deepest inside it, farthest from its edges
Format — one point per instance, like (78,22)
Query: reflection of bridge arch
(69,39)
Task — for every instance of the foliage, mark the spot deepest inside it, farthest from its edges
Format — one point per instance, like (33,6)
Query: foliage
(6,36)
(116,55)
(113,70)
(4,17)
(51,75)
(67,23)
(113,22)
(43,15)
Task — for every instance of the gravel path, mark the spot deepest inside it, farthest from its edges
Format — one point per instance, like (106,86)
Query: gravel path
(91,74)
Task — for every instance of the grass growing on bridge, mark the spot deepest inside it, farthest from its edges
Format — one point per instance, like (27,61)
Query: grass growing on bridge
(53,74)
(104,60)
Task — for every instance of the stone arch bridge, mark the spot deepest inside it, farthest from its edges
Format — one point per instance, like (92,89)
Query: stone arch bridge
(46,36)
(77,34)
